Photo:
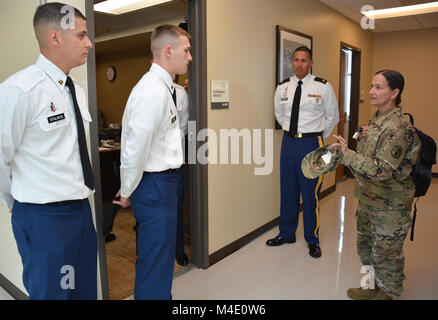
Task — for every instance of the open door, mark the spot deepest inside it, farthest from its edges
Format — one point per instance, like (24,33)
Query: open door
(197,174)
(349,93)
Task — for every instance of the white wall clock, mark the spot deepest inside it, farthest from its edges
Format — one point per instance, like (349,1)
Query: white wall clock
(110,73)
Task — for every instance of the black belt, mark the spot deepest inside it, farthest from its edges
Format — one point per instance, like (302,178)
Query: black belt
(303,135)
(60,203)
(161,172)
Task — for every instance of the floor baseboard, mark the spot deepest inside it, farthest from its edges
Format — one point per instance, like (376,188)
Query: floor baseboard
(236,245)
(12,289)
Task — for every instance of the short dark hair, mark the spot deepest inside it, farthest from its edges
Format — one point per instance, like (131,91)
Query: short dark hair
(395,81)
(51,13)
(169,29)
(162,31)
(305,49)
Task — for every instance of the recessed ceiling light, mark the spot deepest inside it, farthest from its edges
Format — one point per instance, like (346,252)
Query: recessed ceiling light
(124,6)
(402,11)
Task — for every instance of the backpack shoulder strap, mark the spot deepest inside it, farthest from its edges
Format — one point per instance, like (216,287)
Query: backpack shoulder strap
(411,118)
(413,220)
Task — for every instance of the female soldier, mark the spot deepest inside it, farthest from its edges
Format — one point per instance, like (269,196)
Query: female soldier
(382,165)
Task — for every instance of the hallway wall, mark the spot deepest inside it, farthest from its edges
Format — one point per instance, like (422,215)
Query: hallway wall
(241,49)
(414,54)
(15,23)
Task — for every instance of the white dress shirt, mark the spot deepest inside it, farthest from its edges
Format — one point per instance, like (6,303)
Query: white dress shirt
(39,151)
(318,105)
(151,137)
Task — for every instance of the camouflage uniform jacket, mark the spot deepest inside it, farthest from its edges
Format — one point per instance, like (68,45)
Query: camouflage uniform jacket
(383,162)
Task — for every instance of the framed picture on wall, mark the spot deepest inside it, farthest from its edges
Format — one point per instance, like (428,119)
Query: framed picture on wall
(287,41)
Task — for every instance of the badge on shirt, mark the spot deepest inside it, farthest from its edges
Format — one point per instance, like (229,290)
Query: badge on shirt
(56,118)
(53,117)
(315,98)
(284,97)
(173,119)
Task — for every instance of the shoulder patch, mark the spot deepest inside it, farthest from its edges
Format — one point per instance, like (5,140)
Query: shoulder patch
(318,79)
(396,152)
(284,81)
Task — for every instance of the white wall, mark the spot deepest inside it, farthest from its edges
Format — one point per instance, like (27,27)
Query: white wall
(17,31)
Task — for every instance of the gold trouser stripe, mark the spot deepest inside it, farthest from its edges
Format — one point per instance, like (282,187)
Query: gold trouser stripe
(316,195)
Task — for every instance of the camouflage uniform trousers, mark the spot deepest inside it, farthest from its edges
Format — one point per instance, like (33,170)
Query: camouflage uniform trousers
(380,237)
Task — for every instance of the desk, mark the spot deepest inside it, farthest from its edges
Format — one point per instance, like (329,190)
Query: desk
(104,149)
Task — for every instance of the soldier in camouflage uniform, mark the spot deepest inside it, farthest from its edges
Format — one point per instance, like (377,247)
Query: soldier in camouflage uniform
(382,165)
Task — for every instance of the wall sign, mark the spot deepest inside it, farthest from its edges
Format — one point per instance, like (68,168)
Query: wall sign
(220,94)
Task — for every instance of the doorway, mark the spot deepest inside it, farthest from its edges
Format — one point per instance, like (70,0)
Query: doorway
(135,36)
(349,96)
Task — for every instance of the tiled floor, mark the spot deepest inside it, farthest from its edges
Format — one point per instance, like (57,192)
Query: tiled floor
(288,272)
(121,256)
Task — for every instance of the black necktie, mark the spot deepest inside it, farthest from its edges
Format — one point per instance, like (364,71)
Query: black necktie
(295,109)
(174,97)
(85,160)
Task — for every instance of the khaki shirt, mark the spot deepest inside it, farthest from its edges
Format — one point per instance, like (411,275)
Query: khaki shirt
(383,161)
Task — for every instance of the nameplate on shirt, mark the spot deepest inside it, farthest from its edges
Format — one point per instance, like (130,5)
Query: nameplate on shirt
(285,96)
(56,118)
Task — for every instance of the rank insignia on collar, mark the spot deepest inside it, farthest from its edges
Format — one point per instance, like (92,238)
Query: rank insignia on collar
(52,107)
(60,82)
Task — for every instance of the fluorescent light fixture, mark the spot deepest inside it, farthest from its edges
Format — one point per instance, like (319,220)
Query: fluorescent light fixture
(124,6)
(402,11)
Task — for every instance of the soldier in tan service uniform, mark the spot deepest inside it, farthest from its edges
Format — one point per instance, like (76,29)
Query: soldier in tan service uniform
(382,164)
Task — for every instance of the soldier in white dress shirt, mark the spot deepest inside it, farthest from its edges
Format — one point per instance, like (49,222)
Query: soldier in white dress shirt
(45,171)
(306,107)
(151,154)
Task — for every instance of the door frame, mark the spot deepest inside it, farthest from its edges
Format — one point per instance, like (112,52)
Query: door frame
(198,176)
(95,157)
(355,93)
(198,173)
(354,97)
